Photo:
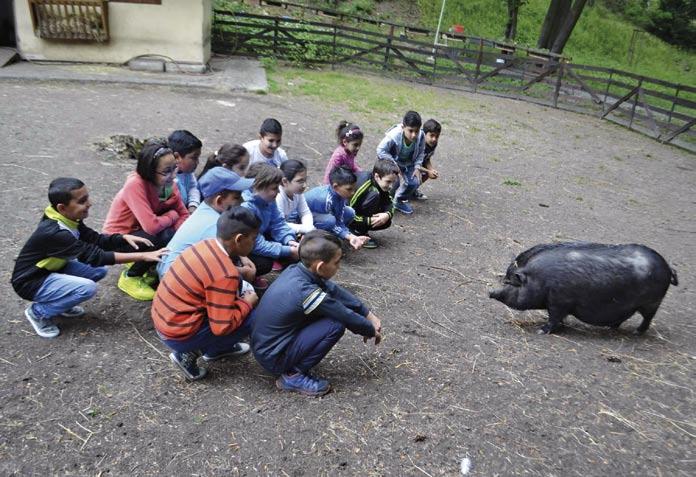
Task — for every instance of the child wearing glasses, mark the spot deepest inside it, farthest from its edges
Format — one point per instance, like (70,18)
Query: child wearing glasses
(148,205)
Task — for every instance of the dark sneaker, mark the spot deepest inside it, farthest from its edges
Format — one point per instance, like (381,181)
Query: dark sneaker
(187,363)
(403,207)
(74,312)
(371,243)
(260,283)
(418,195)
(151,279)
(303,384)
(45,328)
(237,350)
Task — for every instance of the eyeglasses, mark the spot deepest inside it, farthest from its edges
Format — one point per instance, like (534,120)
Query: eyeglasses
(167,172)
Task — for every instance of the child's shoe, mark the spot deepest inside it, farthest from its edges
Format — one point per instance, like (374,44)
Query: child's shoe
(277,266)
(260,284)
(371,243)
(187,363)
(237,350)
(135,287)
(45,328)
(418,195)
(303,384)
(403,207)
(74,312)
(151,279)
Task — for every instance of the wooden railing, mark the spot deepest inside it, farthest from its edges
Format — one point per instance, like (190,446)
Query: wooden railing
(662,110)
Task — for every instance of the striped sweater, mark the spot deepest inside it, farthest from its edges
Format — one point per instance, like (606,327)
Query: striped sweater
(202,284)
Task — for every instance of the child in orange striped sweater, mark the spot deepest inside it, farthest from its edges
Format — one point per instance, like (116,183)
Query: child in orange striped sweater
(200,307)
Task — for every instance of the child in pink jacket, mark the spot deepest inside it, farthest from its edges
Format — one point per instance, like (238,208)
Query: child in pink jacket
(350,139)
(149,206)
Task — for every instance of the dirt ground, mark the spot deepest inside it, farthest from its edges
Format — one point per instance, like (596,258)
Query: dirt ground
(458,375)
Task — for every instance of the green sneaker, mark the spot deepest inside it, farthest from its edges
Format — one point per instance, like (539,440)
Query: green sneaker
(135,287)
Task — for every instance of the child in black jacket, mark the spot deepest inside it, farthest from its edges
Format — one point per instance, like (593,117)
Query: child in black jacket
(58,266)
(372,201)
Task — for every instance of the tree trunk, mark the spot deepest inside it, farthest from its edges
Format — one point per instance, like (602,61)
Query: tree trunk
(568,26)
(511,27)
(555,17)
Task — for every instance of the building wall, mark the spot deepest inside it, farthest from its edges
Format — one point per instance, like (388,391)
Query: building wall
(179,29)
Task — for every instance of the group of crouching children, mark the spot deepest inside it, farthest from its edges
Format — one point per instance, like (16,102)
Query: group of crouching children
(198,247)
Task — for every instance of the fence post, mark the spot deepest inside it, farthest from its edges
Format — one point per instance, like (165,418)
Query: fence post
(275,36)
(333,58)
(388,47)
(635,102)
(479,59)
(606,91)
(674,104)
(559,80)
(434,73)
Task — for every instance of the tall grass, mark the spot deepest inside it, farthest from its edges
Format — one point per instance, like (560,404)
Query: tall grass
(600,38)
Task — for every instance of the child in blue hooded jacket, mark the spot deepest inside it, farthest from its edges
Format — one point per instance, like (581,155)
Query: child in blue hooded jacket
(329,206)
(276,240)
(405,145)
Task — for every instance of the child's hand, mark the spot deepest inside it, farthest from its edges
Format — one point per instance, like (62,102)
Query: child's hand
(192,209)
(357,241)
(154,256)
(433,174)
(417,175)
(248,265)
(294,251)
(134,240)
(380,219)
(251,298)
(377,323)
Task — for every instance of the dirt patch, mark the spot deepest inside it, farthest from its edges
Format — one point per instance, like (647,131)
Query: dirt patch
(458,375)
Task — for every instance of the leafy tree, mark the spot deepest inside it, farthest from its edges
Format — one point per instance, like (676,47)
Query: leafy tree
(675,22)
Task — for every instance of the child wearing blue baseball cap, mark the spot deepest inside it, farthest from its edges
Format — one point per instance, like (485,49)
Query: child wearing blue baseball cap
(220,188)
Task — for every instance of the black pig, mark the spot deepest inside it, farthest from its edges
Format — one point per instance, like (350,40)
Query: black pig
(599,284)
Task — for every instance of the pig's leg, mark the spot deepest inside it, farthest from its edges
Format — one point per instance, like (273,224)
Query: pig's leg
(556,316)
(648,312)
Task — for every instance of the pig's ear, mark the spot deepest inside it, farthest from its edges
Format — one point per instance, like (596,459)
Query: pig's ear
(520,278)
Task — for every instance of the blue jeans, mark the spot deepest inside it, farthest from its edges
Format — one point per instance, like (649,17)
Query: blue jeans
(328,221)
(208,343)
(406,188)
(308,348)
(70,286)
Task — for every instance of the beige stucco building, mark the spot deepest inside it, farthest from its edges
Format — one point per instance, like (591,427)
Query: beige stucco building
(176,29)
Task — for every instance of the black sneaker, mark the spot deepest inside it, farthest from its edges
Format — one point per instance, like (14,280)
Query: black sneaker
(187,363)
(237,350)
(371,243)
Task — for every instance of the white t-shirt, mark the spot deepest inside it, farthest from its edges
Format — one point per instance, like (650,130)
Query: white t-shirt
(298,204)
(255,155)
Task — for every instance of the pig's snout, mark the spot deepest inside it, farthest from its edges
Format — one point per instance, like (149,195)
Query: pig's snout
(496,294)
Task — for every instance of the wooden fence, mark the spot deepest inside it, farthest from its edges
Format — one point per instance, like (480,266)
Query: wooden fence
(662,110)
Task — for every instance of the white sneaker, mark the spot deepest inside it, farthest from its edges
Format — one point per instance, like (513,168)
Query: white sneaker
(74,312)
(45,328)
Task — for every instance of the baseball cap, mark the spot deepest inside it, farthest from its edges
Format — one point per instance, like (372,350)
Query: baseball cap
(219,179)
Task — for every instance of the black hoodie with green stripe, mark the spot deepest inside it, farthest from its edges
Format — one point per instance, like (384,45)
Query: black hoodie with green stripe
(55,241)
(369,200)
